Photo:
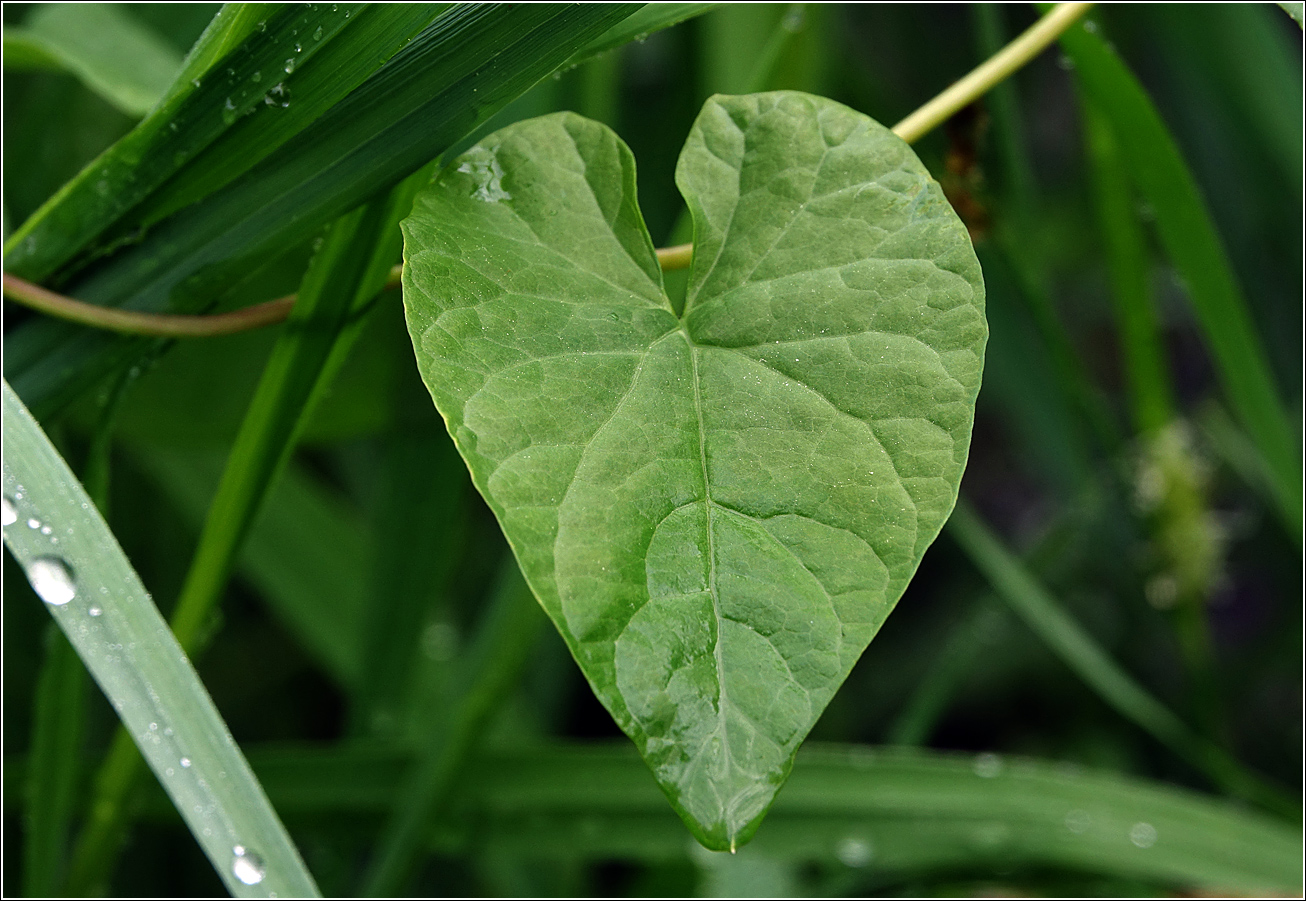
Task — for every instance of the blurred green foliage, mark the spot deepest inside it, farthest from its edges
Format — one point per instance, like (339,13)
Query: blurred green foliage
(1165,545)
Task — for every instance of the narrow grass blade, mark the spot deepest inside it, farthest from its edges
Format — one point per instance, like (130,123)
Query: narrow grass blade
(1090,662)
(1190,239)
(94,595)
(639,25)
(57,733)
(493,665)
(1147,374)
(307,554)
(892,811)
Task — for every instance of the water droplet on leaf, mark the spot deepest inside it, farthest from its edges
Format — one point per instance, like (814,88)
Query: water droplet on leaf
(10,512)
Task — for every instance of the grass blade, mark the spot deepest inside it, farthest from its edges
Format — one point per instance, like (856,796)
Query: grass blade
(1150,393)
(1190,239)
(492,667)
(1090,662)
(343,278)
(55,754)
(912,812)
(101,44)
(97,599)
(469,63)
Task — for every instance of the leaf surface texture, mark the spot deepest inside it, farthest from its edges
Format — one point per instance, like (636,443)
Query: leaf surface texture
(717,508)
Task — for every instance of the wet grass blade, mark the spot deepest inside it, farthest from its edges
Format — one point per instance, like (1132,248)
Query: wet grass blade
(465,66)
(1086,658)
(1188,234)
(94,595)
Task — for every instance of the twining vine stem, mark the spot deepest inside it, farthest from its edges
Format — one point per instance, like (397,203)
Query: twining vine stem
(171,325)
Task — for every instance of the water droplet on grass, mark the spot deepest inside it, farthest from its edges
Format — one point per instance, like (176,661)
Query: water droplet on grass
(1078,821)
(854,852)
(247,866)
(52,580)
(988,765)
(10,512)
(95,610)
(317,35)
(185,762)
(1143,835)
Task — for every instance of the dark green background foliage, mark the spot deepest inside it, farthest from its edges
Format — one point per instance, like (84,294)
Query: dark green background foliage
(375,614)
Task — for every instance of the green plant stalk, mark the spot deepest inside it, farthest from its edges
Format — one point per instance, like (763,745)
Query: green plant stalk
(340,281)
(1077,649)
(492,668)
(1193,245)
(57,735)
(1147,373)
(97,599)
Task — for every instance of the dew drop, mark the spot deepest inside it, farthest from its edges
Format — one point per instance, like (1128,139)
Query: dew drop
(10,512)
(46,530)
(1090,26)
(95,610)
(1143,835)
(52,579)
(317,35)
(299,48)
(854,852)
(228,112)
(290,65)
(257,76)
(185,763)
(247,866)
(195,82)
(987,765)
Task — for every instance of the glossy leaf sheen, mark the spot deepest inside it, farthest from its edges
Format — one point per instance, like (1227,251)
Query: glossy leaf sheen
(718,509)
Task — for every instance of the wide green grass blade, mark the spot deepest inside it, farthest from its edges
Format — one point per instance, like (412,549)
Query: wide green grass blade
(897,813)
(195,115)
(76,566)
(490,670)
(57,735)
(1193,245)
(100,43)
(469,63)
(1077,649)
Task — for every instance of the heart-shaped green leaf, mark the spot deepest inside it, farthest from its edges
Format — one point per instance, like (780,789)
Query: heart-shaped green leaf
(717,509)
